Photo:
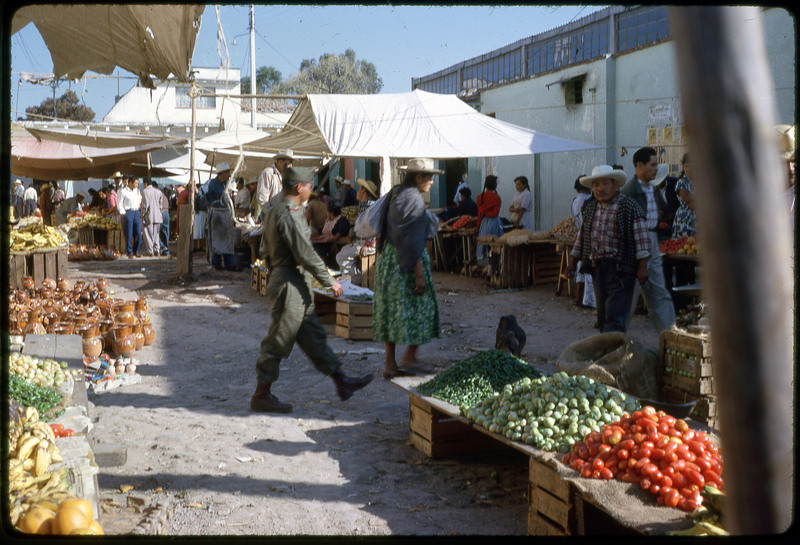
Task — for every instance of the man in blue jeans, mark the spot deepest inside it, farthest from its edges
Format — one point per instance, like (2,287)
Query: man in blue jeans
(129,201)
(612,242)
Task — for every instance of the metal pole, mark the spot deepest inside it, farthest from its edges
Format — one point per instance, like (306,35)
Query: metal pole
(729,109)
(253,65)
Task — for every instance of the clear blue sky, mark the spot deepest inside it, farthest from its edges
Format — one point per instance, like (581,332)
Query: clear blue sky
(401,41)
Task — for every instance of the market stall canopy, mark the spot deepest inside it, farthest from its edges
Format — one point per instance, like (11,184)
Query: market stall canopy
(51,160)
(253,162)
(147,40)
(404,125)
(94,138)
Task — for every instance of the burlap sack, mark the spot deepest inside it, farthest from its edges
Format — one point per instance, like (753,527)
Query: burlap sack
(614,360)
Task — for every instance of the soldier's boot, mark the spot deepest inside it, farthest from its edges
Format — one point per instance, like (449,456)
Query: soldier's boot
(347,386)
(263,401)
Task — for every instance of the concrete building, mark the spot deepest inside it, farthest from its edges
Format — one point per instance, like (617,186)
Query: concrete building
(608,79)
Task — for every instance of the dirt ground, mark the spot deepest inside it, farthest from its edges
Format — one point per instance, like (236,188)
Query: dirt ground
(329,467)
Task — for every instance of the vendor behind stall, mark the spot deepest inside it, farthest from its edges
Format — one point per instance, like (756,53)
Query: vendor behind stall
(221,235)
(69,207)
(465,207)
(335,234)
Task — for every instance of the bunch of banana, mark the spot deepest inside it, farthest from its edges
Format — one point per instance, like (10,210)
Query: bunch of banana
(32,448)
(94,221)
(34,236)
(708,517)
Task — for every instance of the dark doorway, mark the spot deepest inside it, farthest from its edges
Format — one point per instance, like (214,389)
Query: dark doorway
(453,170)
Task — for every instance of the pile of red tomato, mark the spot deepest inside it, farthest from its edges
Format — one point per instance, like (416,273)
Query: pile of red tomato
(655,450)
(60,431)
(672,245)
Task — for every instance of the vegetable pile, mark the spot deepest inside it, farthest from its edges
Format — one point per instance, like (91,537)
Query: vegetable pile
(551,413)
(655,450)
(682,245)
(44,372)
(477,377)
(31,395)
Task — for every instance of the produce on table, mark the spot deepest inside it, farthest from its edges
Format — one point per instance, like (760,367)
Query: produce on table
(43,400)
(682,245)
(655,450)
(477,377)
(44,372)
(708,517)
(93,221)
(31,449)
(551,413)
(35,236)
(692,314)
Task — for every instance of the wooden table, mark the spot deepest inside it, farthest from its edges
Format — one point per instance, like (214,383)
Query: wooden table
(561,502)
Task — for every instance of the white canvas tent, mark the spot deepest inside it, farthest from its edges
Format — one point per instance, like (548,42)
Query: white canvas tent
(404,125)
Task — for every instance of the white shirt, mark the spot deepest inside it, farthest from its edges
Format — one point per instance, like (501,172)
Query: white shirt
(128,199)
(269,185)
(30,194)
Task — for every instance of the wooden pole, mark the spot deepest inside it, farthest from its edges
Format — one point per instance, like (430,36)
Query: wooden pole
(186,227)
(743,226)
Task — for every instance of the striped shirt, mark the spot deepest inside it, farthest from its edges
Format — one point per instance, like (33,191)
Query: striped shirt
(652,206)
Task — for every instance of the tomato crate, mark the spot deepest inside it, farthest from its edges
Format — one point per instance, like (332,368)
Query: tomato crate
(437,434)
(550,502)
(684,362)
(353,320)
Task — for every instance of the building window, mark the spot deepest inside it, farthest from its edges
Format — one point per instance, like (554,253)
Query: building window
(183,100)
(573,91)
(640,26)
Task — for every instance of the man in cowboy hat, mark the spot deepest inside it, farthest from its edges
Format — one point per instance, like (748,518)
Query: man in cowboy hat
(338,191)
(286,246)
(613,245)
(269,181)
(18,199)
(220,236)
(349,198)
(639,188)
(69,207)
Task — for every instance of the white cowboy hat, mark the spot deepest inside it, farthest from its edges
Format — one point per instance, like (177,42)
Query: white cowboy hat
(368,186)
(663,172)
(285,154)
(223,167)
(338,179)
(18,181)
(347,182)
(603,171)
(117,174)
(420,165)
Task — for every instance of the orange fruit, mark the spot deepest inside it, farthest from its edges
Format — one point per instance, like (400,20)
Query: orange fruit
(37,520)
(81,504)
(96,528)
(68,519)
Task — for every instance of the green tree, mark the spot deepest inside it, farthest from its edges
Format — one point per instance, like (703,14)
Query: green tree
(333,74)
(267,77)
(67,107)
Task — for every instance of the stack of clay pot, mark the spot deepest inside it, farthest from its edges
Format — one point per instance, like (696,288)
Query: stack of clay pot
(117,326)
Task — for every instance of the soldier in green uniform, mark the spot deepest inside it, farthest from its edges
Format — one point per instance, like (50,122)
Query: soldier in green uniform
(286,248)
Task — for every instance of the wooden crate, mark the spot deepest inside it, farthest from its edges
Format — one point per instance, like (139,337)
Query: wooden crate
(353,320)
(39,264)
(545,264)
(255,278)
(550,502)
(263,280)
(511,265)
(705,411)
(115,239)
(684,362)
(437,434)
(367,264)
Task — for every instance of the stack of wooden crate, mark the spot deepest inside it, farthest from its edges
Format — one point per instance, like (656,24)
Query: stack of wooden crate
(550,502)
(38,264)
(685,373)
(354,320)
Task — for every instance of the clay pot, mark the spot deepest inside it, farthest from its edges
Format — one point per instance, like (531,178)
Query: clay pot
(141,309)
(64,328)
(63,284)
(22,319)
(49,283)
(28,283)
(102,285)
(22,296)
(105,325)
(34,325)
(138,336)
(149,333)
(46,293)
(124,313)
(122,341)
(92,343)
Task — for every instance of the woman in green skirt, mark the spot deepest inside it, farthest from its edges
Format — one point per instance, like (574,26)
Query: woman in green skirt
(405,310)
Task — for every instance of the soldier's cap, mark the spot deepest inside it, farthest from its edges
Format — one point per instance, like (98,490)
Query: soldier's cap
(297,175)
